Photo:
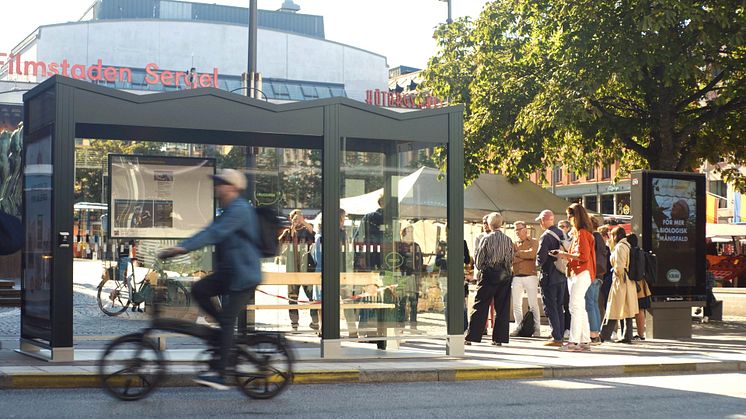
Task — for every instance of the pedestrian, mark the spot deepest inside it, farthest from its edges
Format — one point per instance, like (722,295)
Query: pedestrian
(494,257)
(237,272)
(591,296)
(581,273)
(525,278)
(566,228)
(553,283)
(603,295)
(408,293)
(643,297)
(296,242)
(622,302)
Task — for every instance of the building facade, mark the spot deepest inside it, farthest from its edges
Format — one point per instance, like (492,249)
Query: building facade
(160,45)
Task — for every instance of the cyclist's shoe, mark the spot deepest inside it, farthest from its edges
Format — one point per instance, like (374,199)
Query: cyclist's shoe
(211,379)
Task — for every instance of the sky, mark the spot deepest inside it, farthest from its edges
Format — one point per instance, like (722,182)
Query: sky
(401,30)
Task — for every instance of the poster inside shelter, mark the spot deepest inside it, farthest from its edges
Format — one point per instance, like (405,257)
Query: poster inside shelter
(674,223)
(160,197)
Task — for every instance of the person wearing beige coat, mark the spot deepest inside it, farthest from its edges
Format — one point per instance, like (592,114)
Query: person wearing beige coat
(622,302)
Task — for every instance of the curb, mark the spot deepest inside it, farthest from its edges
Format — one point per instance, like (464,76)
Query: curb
(38,380)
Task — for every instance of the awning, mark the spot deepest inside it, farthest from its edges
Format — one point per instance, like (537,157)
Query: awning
(91,206)
(725,230)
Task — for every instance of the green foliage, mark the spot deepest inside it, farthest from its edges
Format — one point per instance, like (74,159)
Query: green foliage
(655,83)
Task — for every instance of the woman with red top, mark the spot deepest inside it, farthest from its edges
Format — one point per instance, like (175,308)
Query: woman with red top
(581,272)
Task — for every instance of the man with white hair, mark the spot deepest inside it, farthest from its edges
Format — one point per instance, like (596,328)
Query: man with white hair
(494,258)
(553,282)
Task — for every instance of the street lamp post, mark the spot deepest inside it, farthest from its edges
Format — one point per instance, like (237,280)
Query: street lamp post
(449,20)
(250,77)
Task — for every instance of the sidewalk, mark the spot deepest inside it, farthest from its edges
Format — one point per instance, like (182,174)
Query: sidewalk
(715,347)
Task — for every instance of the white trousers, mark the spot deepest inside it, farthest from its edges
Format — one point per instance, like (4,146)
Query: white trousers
(580,329)
(531,285)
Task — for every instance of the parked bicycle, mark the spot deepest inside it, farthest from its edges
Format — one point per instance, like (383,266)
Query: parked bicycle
(132,366)
(119,289)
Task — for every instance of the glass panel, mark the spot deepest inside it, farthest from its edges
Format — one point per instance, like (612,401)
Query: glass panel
(38,264)
(393,280)
(607,204)
(623,204)
(285,179)
(591,202)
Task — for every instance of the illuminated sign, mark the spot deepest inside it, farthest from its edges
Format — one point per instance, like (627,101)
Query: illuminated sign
(401,100)
(111,74)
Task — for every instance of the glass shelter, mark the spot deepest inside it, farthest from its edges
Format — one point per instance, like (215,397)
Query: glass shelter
(371,265)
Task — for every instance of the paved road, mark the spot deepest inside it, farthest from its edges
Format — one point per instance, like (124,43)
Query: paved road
(693,396)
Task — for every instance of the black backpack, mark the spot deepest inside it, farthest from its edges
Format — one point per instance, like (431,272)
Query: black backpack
(269,225)
(636,269)
(602,255)
(526,329)
(651,267)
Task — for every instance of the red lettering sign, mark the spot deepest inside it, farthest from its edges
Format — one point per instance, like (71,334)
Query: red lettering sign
(401,100)
(98,72)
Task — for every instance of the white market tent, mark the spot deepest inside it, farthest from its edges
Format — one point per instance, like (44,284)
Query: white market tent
(725,230)
(422,195)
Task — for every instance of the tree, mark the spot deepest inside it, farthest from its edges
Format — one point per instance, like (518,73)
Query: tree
(657,84)
(88,180)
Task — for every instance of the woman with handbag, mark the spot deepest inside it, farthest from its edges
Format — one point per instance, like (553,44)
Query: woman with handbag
(622,301)
(494,258)
(581,273)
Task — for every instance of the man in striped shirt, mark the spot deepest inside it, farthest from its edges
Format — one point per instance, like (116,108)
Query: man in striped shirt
(493,256)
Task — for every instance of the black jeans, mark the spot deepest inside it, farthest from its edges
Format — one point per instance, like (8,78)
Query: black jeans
(553,296)
(609,328)
(293,293)
(234,302)
(487,292)
(411,299)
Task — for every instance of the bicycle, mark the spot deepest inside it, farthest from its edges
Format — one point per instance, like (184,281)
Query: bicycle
(132,366)
(117,290)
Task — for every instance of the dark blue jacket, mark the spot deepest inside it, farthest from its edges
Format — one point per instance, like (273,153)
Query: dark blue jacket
(545,262)
(235,234)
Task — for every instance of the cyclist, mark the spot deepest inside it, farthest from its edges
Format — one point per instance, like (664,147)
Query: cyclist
(238,269)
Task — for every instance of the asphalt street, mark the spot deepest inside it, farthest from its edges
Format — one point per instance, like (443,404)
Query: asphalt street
(687,396)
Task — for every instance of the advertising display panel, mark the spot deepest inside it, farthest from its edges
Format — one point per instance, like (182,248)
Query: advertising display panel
(38,252)
(669,217)
(154,197)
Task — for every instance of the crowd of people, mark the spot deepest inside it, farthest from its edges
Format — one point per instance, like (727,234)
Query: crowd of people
(579,266)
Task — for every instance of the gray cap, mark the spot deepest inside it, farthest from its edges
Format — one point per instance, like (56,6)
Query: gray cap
(231,177)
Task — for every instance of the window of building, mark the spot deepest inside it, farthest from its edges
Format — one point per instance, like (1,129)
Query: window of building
(607,204)
(557,174)
(606,172)
(309,92)
(592,173)
(573,199)
(590,202)
(719,188)
(573,176)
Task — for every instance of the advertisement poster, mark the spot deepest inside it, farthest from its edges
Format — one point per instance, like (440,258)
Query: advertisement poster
(674,226)
(37,266)
(160,197)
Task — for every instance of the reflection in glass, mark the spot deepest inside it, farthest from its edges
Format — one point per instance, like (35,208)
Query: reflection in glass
(393,282)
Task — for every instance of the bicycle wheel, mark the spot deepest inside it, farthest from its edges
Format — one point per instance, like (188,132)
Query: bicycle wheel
(113,297)
(264,366)
(131,367)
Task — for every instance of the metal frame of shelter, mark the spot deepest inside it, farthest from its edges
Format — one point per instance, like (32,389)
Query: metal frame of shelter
(68,109)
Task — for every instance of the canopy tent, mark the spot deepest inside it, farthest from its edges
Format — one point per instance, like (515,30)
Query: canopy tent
(725,230)
(422,195)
